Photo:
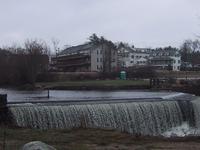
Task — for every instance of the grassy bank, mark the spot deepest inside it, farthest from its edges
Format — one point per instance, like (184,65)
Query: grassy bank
(90,139)
(95,85)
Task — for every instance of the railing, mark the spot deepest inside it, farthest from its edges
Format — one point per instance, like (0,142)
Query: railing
(72,64)
(66,58)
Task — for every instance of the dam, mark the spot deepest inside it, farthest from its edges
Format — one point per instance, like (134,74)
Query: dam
(134,112)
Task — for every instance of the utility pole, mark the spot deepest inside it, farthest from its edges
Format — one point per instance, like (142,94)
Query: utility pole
(48,93)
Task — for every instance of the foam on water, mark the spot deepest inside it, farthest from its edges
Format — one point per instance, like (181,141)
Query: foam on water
(196,107)
(179,131)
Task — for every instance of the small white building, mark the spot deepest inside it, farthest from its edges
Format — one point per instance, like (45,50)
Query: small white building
(129,57)
(169,59)
(164,59)
(142,61)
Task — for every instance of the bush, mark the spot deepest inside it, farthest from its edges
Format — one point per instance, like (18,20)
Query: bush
(65,76)
(111,75)
(171,80)
(141,72)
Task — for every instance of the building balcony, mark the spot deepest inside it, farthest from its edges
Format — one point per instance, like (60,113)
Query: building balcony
(70,57)
(72,64)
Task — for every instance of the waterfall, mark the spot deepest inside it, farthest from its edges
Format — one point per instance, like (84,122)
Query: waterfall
(196,108)
(145,118)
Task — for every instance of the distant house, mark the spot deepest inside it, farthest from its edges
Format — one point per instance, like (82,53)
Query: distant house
(130,57)
(168,59)
(86,58)
(142,61)
(162,59)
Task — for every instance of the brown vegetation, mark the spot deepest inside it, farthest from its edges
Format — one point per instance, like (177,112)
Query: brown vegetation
(91,139)
(21,65)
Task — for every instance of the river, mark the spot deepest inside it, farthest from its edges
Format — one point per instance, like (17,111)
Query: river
(60,95)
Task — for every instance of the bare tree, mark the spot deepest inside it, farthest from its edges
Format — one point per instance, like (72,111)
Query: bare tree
(19,65)
(190,51)
(36,47)
(36,61)
(55,43)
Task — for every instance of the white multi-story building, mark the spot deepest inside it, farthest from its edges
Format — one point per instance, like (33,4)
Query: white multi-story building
(86,58)
(167,59)
(130,57)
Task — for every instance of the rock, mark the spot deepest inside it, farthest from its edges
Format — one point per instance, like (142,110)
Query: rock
(37,145)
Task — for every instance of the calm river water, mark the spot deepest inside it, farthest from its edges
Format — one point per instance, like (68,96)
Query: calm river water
(59,95)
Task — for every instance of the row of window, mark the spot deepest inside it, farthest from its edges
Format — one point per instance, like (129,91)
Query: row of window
(99,67)
(99,52)
(165,54)
(141,62)
(139,56)
(177,68)
(179,61)
(99,60)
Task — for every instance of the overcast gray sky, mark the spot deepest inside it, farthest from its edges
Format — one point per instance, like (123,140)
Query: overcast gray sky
(144,23)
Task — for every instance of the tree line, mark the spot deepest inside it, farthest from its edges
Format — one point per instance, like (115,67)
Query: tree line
(190,52)
(21,64)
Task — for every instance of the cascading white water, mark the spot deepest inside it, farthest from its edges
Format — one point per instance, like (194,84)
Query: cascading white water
(146,118)
(196,108)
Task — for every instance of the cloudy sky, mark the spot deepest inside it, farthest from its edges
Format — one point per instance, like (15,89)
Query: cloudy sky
(144,23)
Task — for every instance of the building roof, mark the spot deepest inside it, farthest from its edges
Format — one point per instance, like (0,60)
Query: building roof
(165,52)
(77,49)
(136,50)
(141,50)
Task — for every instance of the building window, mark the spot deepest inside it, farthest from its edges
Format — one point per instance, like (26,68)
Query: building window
(101,59)
(97,67)
(131,61)
(132,56)
(100,51)
(97,59)
(179,61)
(97,52)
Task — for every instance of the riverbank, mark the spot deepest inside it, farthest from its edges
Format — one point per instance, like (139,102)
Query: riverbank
(95,85)
(185,86)
(90,139)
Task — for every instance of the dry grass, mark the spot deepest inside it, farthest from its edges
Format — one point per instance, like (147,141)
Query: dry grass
(93,84)
(91,139)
